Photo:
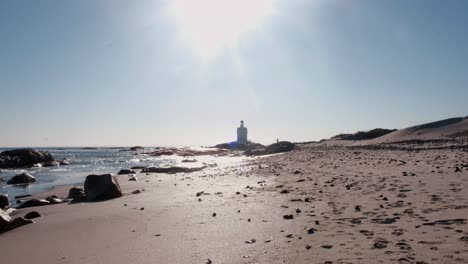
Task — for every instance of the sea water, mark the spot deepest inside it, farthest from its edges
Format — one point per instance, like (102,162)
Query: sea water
(83,162)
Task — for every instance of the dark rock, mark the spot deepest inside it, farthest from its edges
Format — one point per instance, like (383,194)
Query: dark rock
(76,192)
(126,171)
(34,203)
(24,178)
(172,169)
(138,167)
(4,221)
(32,215)
(136,148)
(311,231)
(102,187)
(283,146)
(54,199)
(288,217)
(189,160)
(15,223)
(4,203)
(1,180)
(20,158)
(280,147)
(53,163)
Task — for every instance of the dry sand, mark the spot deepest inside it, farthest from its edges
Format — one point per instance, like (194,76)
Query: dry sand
(349,205)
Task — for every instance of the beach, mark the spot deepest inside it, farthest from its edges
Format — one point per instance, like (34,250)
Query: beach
(316,204)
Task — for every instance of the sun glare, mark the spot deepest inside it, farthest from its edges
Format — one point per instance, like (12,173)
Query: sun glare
(210,26)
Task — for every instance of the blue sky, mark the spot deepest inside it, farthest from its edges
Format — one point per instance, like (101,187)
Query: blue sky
(117,72)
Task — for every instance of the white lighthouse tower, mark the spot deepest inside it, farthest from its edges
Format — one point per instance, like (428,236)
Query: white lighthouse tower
(242,134)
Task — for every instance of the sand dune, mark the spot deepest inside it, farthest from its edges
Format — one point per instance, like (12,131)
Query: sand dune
(448,128)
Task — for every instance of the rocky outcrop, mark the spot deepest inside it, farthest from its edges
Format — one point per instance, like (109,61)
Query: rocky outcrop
(4,203)
(23,178)
(126,171)
(101,187)
(241,147)
(136,148)
(21,158)
(172,169)
(33,203)
(185,152)
(283,146)
(280,147)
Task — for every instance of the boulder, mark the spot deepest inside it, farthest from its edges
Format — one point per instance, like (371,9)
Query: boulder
(32,215)
(126,171)
(76,192)
(4,203)
(101,187)
(20,158)
(23,178)
(33,203)
(172,169)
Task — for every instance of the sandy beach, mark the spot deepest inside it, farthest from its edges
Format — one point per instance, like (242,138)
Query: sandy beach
(316,204)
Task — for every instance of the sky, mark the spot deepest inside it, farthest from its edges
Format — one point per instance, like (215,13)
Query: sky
(185,72)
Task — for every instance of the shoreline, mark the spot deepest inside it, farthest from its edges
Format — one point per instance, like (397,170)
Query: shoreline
(311,205)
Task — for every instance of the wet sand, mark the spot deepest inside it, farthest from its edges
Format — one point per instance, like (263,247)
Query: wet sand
(314,205)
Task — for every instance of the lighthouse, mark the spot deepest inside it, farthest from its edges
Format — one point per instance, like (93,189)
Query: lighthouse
(242,133)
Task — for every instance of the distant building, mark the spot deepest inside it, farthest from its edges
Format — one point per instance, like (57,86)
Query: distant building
(242,134)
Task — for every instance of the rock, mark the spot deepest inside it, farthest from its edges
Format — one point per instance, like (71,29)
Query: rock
(24,178)
(32,215)
(51,164)
(1,180)
(283,146)
(54,199)
(133,178)
(102,187)
(126,171)
(288,217)
(189,160)
(15,223)
(64,163)
(4,221)
(138,167)
(4,203)
(34,203)
(20,158)
(136,148)
(172,169)
(76,192)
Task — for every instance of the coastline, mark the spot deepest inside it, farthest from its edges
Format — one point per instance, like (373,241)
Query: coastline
(348,205)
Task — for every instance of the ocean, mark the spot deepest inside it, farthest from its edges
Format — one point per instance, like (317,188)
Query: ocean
(84,162)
